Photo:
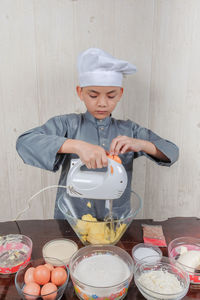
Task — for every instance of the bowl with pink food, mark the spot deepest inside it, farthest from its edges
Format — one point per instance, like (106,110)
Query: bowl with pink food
(15,251)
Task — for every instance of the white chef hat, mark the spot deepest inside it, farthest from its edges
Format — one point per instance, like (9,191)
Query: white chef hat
(98,68)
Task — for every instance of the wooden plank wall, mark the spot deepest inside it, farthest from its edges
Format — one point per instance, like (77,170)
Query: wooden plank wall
(174,108)
(39,44)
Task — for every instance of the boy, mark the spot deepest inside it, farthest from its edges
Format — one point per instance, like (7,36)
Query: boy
(90,135)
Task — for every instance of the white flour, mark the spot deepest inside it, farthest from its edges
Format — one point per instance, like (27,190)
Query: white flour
(143,252)
(161,282)
(102,270)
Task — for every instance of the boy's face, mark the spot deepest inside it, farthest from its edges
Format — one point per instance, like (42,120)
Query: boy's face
(100,101)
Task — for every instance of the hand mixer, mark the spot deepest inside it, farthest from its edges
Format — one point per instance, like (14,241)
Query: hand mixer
(94,184)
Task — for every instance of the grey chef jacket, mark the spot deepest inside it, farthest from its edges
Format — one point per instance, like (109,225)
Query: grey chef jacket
(39,147)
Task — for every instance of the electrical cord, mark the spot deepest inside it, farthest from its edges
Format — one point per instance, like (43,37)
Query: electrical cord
(18,227)
(28,202)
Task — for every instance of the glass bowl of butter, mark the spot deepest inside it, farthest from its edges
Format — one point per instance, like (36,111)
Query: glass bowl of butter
(161,279)
(186,251)
(95,221)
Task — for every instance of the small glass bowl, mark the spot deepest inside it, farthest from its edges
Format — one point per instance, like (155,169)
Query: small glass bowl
(137,255)
(19,279)
(166,265)
(61,248)
(86,291)
(15,251)
(190,243)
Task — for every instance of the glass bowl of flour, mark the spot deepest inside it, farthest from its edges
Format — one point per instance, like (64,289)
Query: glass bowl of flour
(101,271)
(163,279)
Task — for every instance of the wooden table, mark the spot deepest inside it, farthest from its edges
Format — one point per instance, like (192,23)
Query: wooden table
(42,231)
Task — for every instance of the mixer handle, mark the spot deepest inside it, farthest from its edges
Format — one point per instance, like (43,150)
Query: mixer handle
(76,164)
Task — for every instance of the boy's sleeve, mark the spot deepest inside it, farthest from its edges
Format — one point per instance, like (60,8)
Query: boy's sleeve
(169,149)
(39,146)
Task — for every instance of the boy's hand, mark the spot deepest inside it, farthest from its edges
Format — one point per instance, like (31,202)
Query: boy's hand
(122,144)
(92,156)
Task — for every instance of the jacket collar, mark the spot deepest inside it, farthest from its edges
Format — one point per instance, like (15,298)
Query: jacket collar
(103,122)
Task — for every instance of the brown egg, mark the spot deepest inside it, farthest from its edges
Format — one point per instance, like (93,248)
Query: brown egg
(58,276)
(41,274)
(33,289)
(28,277)
(49,266)
(47,289)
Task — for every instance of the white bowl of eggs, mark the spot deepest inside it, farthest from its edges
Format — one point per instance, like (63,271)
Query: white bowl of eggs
(39,279)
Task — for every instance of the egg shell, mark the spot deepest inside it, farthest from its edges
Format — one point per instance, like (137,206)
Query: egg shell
(28,277)
(58,276)
(115,158)
(49,266)
(47,289)
(41,274)
(33,289)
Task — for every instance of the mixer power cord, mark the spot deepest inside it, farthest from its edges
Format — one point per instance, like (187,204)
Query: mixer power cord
(28,202)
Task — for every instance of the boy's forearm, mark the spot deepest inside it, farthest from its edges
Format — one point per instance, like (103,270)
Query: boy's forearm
(72,146)
(93,156)
(151,149)
(69,146)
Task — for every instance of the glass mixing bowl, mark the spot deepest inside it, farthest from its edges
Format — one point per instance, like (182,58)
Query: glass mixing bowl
(113,284)
(89,218)
(19,279)
(182,244)
(157,279)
